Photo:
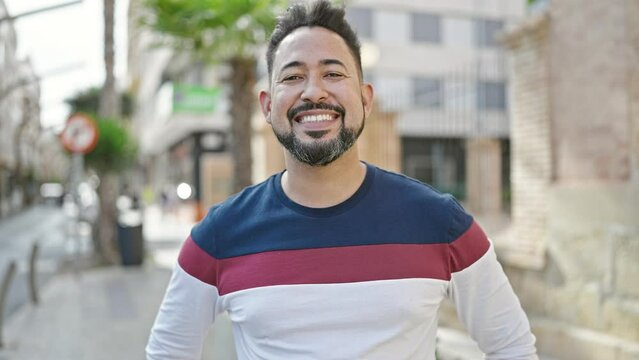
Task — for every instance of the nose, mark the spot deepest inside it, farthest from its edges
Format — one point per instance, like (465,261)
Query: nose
(314,91)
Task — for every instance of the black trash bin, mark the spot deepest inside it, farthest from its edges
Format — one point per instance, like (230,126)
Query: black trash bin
(130,238)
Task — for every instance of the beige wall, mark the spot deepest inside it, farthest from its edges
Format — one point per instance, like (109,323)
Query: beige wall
(216,174)
(483,173)
(632,49)
(590,95)
(574,139)
(380,144)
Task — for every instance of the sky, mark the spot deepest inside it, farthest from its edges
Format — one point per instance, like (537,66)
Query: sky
(65,47)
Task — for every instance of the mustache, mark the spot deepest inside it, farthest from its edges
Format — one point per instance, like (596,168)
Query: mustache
(292,112)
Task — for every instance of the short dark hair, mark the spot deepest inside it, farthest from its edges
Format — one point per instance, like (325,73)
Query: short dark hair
(316,13)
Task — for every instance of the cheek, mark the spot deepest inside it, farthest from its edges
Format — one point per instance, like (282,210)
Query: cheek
(281,102)
(356,106)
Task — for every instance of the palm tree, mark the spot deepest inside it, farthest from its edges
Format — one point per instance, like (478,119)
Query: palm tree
(108,108)
(214,31)
(109,100)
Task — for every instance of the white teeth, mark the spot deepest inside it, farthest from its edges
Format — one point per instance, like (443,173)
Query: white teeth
(315,118)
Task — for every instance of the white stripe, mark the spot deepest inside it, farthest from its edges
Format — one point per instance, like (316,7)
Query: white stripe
(386,319)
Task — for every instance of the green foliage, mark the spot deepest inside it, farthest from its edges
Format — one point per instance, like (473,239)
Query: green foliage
(116,149)
(88,102)
(213,30)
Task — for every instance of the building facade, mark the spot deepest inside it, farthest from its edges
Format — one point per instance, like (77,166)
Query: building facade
(439,66)
(19,123)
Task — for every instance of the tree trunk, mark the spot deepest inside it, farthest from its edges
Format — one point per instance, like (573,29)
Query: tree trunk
(109,107)
(109,100)
(104,237)
(242,106)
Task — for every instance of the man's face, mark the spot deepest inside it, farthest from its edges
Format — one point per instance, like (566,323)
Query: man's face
(316,104)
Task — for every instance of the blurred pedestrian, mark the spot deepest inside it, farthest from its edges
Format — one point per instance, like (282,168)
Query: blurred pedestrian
(333,258)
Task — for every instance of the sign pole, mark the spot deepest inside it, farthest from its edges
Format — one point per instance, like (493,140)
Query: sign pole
(80,136)
(77,169)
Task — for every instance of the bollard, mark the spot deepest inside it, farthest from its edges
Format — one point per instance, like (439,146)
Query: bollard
(33,284)
(4,290)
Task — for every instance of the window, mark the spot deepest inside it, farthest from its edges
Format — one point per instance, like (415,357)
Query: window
(440,162)
(486,32)
(491,95)
(426,28)
(362,21)
(393,91)
(427,92)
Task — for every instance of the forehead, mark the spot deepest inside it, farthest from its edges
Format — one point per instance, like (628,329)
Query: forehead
(309,45)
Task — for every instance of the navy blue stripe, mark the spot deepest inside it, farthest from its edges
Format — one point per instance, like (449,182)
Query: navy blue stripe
(388,209)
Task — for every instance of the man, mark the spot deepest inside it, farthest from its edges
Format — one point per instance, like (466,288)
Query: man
(333,258)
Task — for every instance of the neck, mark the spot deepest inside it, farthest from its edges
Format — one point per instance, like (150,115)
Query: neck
(323,186)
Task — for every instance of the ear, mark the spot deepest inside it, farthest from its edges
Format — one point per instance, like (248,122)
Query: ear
(265,104)
(367,98)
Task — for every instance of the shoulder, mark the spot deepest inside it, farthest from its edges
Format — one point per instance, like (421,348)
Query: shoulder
(405,185)
(236,210)
(414,196)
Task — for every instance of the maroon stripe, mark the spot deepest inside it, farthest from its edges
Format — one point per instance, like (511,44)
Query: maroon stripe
(468,248)
(334,265)
(198,263)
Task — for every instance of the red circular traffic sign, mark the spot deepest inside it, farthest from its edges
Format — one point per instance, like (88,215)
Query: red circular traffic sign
(80,135)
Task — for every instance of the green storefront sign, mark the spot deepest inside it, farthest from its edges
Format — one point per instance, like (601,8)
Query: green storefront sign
(194,99)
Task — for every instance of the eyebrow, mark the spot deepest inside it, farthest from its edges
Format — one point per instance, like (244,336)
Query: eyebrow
(332,62)
(322,62)
(291,64)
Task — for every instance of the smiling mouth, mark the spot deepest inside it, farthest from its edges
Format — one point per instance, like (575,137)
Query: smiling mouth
(315,118)
(315,113)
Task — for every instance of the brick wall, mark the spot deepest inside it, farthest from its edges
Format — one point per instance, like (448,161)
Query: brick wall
(531,146)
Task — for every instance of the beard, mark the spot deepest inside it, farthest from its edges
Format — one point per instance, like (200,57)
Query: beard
(318,152)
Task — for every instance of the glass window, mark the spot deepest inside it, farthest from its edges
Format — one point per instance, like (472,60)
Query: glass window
(491,95)
(427,92)
(486,32)
(362,21)
(440,162)
(426,28)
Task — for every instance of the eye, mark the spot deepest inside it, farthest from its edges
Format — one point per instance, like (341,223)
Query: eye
(334,75)
(290,78)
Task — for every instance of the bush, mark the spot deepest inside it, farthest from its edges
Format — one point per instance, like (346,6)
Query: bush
(115,150)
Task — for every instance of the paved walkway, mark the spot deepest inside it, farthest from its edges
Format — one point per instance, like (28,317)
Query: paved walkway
(106,313)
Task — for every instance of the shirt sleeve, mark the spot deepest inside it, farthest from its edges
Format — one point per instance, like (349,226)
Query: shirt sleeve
(188,309)
(484,298)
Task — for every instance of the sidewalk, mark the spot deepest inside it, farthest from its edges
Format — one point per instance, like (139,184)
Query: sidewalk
(106,313)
